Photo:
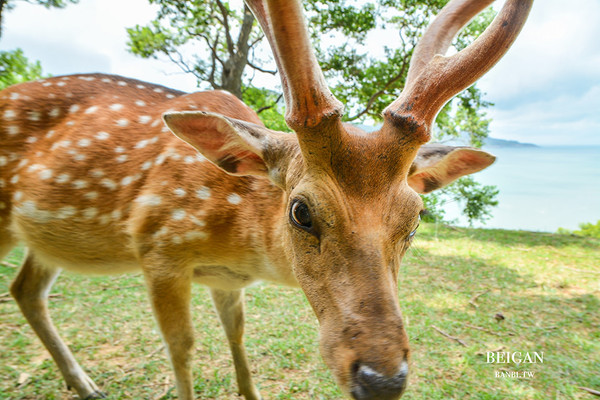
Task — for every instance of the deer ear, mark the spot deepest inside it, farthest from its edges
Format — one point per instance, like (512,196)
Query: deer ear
(436,165)
(237,147)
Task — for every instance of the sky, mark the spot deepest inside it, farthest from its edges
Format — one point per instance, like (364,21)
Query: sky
(546,90)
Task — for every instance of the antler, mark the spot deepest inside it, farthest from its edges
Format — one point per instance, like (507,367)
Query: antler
(309,102)
(434,79)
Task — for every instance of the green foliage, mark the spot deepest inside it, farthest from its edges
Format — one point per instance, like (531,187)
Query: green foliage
(269,106)
(585,229)
(476,200)
(16,68)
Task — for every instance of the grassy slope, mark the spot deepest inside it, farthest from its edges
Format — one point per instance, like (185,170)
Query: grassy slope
(547,287)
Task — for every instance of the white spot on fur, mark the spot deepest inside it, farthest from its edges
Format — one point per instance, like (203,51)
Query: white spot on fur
(141,87)
(203,193)
(3,161)
(14,96)
(200,157)
(21,163)
(66,212)
(142,143)
(158,90)
(144,119)
(61,83)
(97,173)
(108,183)
(122,83)
(84,142)
(63,178)
(119,149)
(90,212)
(122,158)
(106,80)
(87,78)
(234,198)
(55,112)
(160,159)
(46,174)
(195,235)
(104,219)
(116,215)
(189,159)
(176,239)
(18,196)
(102,136)
(146,165)
(140,103)
(91,110)
(50,134)
(170,96)
(178,214)
(13,129)
(10,114)
(80,184)
(74,108)
(197,221)
(91,195)
(34,115)
(35,167)
(179,192)
(149,200)
(116,107)
(122,122)
(32,139)
(79,157)
(126,181)
(70,123)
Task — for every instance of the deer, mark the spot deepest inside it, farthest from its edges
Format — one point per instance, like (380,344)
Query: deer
(101,174)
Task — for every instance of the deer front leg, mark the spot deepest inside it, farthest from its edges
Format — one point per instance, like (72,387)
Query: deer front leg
(30,290)
(230,306)
(170,296)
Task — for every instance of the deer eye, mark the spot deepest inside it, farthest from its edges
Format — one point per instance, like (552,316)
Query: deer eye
(414,232)
(300,215)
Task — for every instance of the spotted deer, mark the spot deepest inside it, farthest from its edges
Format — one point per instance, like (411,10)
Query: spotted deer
(91,180)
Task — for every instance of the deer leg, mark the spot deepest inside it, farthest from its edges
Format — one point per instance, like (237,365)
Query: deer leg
(230,306)
(30,290)
(170,296)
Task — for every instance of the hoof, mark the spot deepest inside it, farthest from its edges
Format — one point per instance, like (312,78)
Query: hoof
(96,395)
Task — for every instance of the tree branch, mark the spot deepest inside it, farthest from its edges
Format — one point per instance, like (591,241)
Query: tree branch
(270,106)
(225,22)
(380,92)
(266,71)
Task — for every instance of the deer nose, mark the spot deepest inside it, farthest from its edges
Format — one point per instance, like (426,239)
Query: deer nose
(371,385)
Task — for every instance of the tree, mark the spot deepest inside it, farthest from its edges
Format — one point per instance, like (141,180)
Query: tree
(7,5)
(16,68)
(224,49)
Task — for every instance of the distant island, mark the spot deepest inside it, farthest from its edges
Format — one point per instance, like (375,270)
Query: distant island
(493,142)
(488,142)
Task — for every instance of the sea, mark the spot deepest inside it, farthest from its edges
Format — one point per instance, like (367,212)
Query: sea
(541,188)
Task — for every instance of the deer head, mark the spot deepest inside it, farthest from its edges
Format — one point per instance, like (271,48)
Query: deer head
(351,201)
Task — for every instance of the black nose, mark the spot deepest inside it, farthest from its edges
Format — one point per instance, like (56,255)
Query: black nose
(371,385)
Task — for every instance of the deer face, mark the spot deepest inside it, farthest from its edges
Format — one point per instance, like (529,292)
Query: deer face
(345,226)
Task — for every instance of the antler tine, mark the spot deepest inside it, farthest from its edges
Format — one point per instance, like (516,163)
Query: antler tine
(434,79)
(309,102)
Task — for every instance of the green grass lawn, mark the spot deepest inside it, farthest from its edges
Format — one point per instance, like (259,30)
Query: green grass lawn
(546,286)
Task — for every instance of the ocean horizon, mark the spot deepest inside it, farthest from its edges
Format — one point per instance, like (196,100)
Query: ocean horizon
(542,188)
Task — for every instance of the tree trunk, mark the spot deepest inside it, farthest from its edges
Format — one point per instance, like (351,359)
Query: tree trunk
(233,70)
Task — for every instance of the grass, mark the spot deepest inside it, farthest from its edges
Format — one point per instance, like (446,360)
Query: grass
(546,286)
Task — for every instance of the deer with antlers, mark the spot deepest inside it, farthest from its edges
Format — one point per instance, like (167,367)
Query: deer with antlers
(92,181)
